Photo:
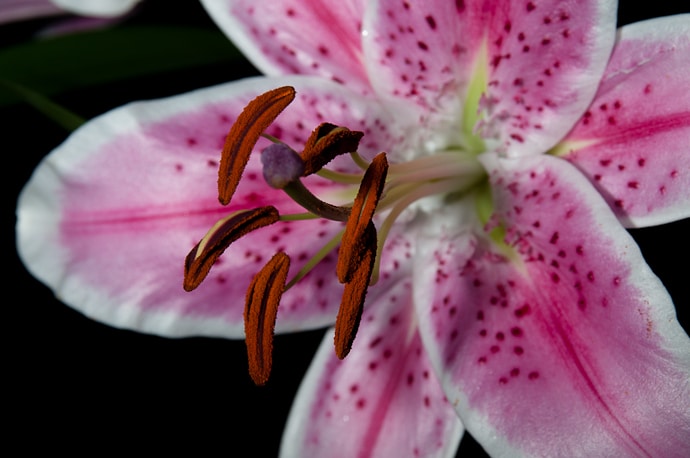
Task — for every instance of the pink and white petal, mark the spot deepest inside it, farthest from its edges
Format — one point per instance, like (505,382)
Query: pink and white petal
(109,216)
(417,51)
(383,399)
(76,24)
(18,10)
(634,142)
(98,8)
(543,60)
(291,37)
(570,345)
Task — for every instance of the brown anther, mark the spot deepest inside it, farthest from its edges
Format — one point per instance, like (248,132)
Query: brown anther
(263,297)
(352,303)
(327,142)
(243,135)
(200,259)
(363,209)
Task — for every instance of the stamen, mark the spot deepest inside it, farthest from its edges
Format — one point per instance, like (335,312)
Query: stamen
(399,204)
(200,259)
(352,304)
(243,135)
(263,297)
(325,143)
(349,255)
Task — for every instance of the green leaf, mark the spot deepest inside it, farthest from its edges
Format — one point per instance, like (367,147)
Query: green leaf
(55,65)
(43,104)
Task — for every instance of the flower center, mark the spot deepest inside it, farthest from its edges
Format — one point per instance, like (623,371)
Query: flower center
(382,189)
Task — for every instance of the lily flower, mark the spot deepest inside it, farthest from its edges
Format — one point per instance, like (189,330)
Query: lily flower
(507,298)
(85,14)
(15,10)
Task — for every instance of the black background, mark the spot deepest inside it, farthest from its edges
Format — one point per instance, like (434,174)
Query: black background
(74,383)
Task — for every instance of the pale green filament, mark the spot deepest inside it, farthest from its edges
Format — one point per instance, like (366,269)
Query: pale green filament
(318,257)
(271,138)
(456,165)
(415,192)
(359,160)
(298,217)
(339,177)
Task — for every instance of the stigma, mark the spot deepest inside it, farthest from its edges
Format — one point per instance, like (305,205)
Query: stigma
(383,192)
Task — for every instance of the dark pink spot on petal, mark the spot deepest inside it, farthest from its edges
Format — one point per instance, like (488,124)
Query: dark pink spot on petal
(522,311)
(431,22)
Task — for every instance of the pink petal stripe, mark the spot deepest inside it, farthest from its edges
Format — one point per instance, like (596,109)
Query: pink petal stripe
(283,37)
(109,216)
(572,347)
(383,399)
(634,142)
